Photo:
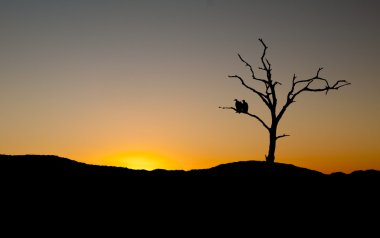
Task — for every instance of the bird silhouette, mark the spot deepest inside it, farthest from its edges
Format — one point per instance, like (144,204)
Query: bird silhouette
(239,106)
(244,107)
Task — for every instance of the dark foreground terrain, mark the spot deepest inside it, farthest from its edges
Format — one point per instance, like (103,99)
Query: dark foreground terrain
(55,172)
(50,167)
(42,190)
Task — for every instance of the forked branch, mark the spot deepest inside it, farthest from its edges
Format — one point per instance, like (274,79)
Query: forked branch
(260,94)
(252,71)
(306,86)
(264,61)
(269,96)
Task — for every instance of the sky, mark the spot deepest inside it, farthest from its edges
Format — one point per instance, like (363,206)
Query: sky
(139,83)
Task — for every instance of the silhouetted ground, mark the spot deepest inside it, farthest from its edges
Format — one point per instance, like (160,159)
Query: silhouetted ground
(53,168)
(254,192)
(43,170)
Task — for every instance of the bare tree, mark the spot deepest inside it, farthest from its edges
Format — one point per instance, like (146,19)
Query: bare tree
(269,96)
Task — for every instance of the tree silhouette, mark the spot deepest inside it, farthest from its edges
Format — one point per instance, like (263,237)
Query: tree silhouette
(269,97)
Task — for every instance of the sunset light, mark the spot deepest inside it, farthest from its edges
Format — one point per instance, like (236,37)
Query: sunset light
(141,160)
(142,84)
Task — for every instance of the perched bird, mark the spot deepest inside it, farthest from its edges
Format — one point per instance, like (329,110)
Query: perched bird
(239,106)
(244,107)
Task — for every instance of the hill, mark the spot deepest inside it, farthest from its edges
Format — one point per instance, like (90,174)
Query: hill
(251,188)
(54,168)
(38,166)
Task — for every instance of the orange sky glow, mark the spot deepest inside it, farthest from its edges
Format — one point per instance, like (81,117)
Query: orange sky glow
(138,83)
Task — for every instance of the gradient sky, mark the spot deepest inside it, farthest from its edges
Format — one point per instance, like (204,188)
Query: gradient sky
(139,83)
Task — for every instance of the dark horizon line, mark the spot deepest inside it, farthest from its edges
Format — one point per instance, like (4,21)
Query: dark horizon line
(263,162)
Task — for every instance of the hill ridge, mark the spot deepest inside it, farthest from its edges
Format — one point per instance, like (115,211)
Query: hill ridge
(237,168)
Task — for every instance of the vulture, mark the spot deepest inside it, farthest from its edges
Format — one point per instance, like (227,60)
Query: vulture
(244,107)
(239,106)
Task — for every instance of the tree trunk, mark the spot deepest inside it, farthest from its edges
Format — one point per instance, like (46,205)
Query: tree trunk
(272,144)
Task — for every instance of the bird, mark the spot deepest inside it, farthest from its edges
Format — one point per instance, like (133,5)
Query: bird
(244,107)
(239,106)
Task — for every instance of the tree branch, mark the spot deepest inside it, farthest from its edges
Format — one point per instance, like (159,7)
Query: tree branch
(260,94)
(263,55)
(281,136)
(265,82)
(252,72)
(249,114)
(267,67)
(338,84)
(259,119)
(307,88)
